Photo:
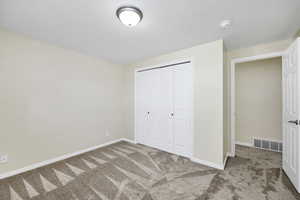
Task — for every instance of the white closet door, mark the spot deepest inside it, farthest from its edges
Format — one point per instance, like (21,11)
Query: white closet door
(183,109)
(153,94)
(142,106)
(164,100)
(164,134)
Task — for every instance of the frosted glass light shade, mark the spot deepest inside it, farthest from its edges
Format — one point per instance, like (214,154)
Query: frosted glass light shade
(129,16)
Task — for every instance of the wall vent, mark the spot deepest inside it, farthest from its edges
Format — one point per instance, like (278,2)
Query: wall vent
(267,144)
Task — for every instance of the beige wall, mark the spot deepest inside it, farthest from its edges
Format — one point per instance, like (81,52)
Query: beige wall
(225,109)
(258,100)
(260,49)
(208,85)
(55,101)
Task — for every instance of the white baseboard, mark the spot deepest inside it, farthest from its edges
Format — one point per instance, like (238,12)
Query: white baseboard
(196,160)
(66,156)
(244,144)
(213,165)
(230,154)
(226,159)
(60,158)
(128,140)
(208,163)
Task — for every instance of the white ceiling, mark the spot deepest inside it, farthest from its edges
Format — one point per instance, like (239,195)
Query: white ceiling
(91,26)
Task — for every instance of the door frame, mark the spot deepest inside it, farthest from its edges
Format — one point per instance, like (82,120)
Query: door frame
(175,61)
(232,90)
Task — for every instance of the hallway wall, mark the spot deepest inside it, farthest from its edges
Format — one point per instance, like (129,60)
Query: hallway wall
(259,100)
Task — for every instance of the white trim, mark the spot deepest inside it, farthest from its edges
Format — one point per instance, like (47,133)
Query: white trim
(211,164)
(244,144)
(229,154)
(66,156)
(257,57)
(57,159)
(128,140)
(232,89)
(226,159)
(207,163)
(196,160)
(134,115)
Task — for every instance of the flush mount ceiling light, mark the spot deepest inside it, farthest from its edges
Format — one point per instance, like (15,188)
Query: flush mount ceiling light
(129,16)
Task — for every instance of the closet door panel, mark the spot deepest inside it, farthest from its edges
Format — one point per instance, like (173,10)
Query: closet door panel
(143,106)
(183,101)
(153,94)
(164,114)
(165,98)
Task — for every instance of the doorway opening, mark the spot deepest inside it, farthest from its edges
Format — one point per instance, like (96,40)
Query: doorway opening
(290,104)
(256,101)
(258,104)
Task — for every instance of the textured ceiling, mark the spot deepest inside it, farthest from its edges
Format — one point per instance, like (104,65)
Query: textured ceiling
(91,27)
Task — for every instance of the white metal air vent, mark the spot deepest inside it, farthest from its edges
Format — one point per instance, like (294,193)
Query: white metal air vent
(267,144)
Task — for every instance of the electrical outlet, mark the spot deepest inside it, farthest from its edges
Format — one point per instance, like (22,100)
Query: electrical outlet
(3,158)
(107,133)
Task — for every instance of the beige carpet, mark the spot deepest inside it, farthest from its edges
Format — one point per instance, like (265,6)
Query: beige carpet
(125,171)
